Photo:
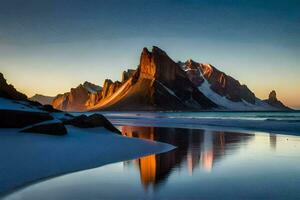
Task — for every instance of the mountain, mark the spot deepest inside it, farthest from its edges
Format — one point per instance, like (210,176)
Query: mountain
(92,88)
(9,91)
(159,83)
(222,89)
(78,99)
(42,99)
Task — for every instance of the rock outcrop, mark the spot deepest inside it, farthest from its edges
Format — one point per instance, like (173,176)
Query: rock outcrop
(274,102)
(95,120)
(20,119)
(8,90)
(49,129)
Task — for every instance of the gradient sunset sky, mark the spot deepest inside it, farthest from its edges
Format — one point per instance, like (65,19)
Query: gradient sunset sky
(47,47)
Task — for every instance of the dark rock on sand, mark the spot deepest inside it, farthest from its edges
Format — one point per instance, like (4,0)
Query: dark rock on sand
(50,129)
(49,108)
(20,119)
(95,120)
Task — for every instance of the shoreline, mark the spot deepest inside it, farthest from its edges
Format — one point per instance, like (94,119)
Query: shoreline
(218,126)
(30,158)
(287,126)
(287,123)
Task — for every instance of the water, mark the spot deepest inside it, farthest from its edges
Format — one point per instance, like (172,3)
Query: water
(206,165)
(258,115)
(271,122)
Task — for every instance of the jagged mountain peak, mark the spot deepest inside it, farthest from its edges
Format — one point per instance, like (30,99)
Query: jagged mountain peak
(92,88)
(155,51)
(274,102)
(77,98)
(127,74)
(159,83)
(273,96)
(157,80)
(159,66)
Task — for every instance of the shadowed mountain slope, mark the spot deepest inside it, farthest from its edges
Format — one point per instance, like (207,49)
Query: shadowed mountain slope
(9,91)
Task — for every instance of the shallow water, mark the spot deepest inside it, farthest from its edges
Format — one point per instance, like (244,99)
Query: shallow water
(206,165)
(237,115)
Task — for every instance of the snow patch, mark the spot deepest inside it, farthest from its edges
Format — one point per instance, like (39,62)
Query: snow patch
(169,90)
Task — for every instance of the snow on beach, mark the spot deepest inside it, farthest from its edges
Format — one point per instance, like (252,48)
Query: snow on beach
(8,104)
(29,157)
(26,157)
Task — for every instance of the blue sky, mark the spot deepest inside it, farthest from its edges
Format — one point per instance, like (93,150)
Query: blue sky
(49,46)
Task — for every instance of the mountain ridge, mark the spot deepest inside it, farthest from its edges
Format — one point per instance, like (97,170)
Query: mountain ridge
(42,99)
(159,83)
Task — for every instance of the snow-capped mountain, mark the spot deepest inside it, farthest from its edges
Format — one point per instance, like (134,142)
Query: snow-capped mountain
(221,88)
(159,83)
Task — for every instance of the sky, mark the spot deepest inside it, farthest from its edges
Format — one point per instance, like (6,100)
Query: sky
(47,47)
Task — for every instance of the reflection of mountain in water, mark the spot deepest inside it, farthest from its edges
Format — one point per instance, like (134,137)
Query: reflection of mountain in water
(273,141)
(194,148)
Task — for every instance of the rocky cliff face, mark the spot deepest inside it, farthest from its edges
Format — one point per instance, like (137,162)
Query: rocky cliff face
(109,87)
(274,102)
(8,90)
(92,88)
(127,74)
(78,99)
(158,65)
(85,95)
(158,84)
